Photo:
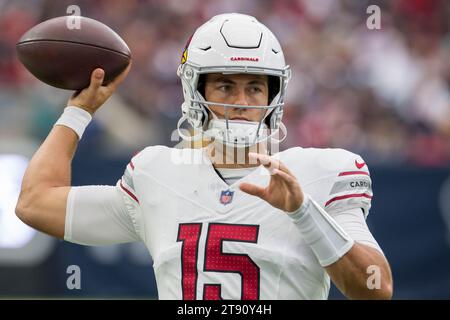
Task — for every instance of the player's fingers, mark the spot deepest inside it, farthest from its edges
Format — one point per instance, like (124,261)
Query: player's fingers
(118,80)
(283,168)
(252,189)
(97,77)
(270,163)
(264,159)
(285,177)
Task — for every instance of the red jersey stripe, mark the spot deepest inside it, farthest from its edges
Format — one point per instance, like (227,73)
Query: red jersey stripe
(354,195)
(129,192)
(349,173)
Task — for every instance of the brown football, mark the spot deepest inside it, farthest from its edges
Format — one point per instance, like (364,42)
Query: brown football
(63,53)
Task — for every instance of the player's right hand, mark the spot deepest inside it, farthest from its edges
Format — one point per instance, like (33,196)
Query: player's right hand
(283,192)
(92,97)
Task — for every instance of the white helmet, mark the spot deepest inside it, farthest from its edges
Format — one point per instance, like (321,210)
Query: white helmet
(229,44)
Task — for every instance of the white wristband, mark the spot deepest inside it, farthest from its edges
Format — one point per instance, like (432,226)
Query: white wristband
(327,239)
(75,118)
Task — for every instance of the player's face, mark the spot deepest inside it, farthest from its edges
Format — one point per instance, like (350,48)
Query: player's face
(241,89)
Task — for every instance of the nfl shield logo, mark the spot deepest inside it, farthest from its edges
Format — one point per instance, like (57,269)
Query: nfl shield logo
(226,197)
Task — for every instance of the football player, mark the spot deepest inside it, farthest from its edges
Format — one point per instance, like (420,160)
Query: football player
(231,220)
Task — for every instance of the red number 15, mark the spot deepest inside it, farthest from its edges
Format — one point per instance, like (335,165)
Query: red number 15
(216,260)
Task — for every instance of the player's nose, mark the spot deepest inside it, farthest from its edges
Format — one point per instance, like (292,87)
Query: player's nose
(241,98)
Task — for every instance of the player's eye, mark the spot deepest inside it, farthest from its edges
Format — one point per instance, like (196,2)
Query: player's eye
(225,88)
(255,89)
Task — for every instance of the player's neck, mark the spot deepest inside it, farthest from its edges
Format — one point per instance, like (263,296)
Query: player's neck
(223,156)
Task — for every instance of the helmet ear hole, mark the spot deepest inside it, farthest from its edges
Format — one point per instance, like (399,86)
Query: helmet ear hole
(205,118)
(274,87)
(201,85)
(201,89)
(267,119)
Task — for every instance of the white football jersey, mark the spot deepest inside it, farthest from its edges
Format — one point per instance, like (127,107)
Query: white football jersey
(209,240)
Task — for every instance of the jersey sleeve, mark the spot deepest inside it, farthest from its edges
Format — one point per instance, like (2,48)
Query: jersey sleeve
(102,215)
(347,184)
(351,187)
(353,222)
(98,215)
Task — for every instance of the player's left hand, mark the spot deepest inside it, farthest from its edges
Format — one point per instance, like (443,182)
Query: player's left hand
(283,191)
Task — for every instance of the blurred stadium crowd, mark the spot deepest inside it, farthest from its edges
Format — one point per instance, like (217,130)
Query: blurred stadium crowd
(381,93)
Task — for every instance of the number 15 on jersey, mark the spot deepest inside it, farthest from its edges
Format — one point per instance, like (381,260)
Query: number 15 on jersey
(216,260)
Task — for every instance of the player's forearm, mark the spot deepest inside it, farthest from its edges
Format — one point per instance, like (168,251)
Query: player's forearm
(356,279)
(49,168)
(50,165)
